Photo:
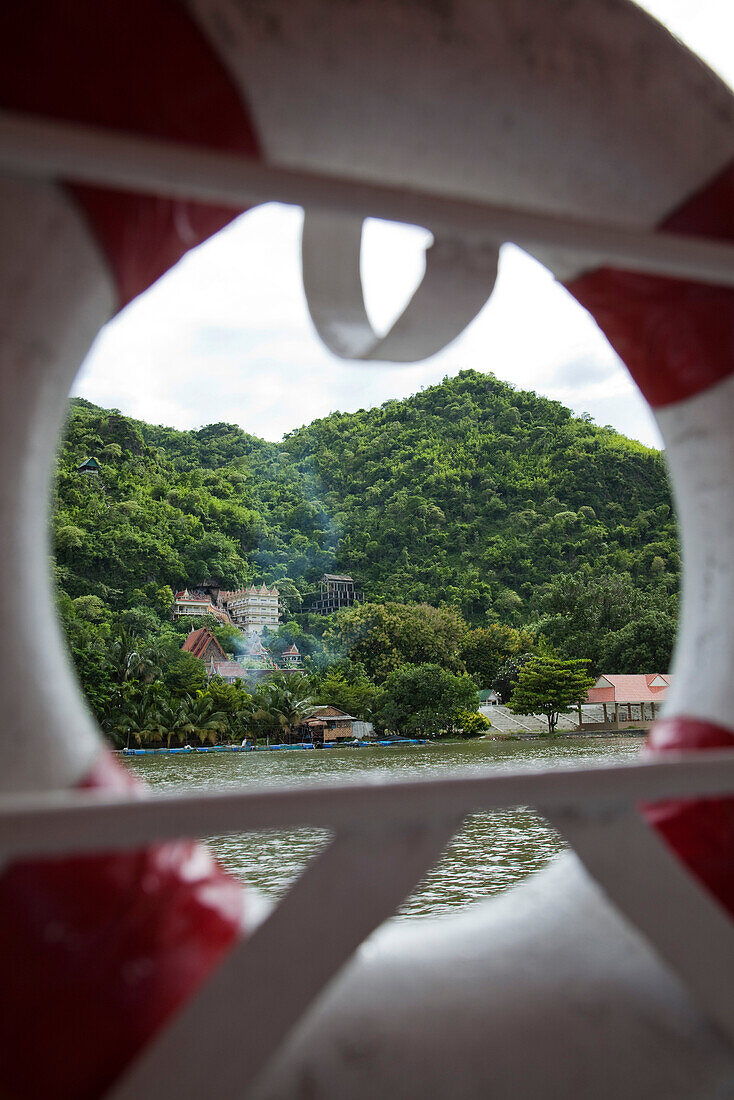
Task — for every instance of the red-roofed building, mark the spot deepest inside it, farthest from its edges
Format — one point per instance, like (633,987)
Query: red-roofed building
(229,670)
(201,643)
(645,690)
(196,603)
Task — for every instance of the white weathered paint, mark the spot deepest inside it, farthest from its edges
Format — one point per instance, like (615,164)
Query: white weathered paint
(579,108)
(458,279)
(64,821)
(699,444)
(543,993)
(568,108)
(45,149)
(56,295)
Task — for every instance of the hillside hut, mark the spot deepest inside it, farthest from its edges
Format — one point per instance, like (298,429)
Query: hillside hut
(89,466)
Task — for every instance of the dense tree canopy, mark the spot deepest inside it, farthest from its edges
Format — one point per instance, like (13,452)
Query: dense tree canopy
(486,649)
(382,637)
(618,626)
(470,494)
(425,700)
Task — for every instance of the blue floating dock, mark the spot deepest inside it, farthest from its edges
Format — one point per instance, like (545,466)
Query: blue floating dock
(274,748)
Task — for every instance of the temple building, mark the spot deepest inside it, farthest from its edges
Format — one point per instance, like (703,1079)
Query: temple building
(197,602)
(291,658)
(253,609)
(252,664)
(229,671)
(201,643)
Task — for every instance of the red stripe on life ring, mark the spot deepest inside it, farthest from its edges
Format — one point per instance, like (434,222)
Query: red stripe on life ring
(675,337)
(97,952)
(700,830)
(141,66)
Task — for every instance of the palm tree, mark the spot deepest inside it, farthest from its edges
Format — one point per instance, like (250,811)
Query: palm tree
(196,717)
(281,702)
(130,659)
(138,719)
(240,720)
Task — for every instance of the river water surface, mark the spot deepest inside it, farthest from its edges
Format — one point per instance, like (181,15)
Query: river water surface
(493,850)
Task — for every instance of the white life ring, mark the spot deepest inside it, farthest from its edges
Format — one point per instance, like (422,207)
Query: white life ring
(585,108)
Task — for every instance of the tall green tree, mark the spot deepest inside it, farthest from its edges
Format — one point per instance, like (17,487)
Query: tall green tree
(507,675)
(550,686)
(485,649)
(280,703)
(349,688)
(425,700)
(618,626)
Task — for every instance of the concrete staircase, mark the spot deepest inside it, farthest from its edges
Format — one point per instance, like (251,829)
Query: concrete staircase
(505,722)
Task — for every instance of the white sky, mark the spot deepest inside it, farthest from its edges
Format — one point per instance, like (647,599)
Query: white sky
(225,335)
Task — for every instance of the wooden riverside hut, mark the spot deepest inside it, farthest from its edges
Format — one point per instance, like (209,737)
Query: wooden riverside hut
(645,692)
(326,723)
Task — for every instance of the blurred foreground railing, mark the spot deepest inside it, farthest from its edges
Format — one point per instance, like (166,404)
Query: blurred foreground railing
(48,149)
(88,821)
(386,835)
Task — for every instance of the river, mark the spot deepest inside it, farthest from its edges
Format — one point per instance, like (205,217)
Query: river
(492,852)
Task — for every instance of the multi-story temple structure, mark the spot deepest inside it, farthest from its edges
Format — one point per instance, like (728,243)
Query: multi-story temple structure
(253,609)
(197,601)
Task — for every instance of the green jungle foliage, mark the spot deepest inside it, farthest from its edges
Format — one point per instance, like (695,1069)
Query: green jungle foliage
(483,524)
(470,494)
(425,700)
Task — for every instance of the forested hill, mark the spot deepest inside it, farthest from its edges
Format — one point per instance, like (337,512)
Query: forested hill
(475,493)
(470,493)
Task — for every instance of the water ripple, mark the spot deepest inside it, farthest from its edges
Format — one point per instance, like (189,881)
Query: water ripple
(492,852)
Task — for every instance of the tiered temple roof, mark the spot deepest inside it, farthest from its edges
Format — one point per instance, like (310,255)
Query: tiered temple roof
(201,643)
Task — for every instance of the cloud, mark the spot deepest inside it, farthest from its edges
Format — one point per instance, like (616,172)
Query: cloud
(226,335)
(582,370)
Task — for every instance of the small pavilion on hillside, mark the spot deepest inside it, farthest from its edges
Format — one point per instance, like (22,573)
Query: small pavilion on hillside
(89,466)
(613,693)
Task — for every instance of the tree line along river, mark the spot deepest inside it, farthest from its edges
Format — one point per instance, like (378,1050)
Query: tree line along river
(492,852)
